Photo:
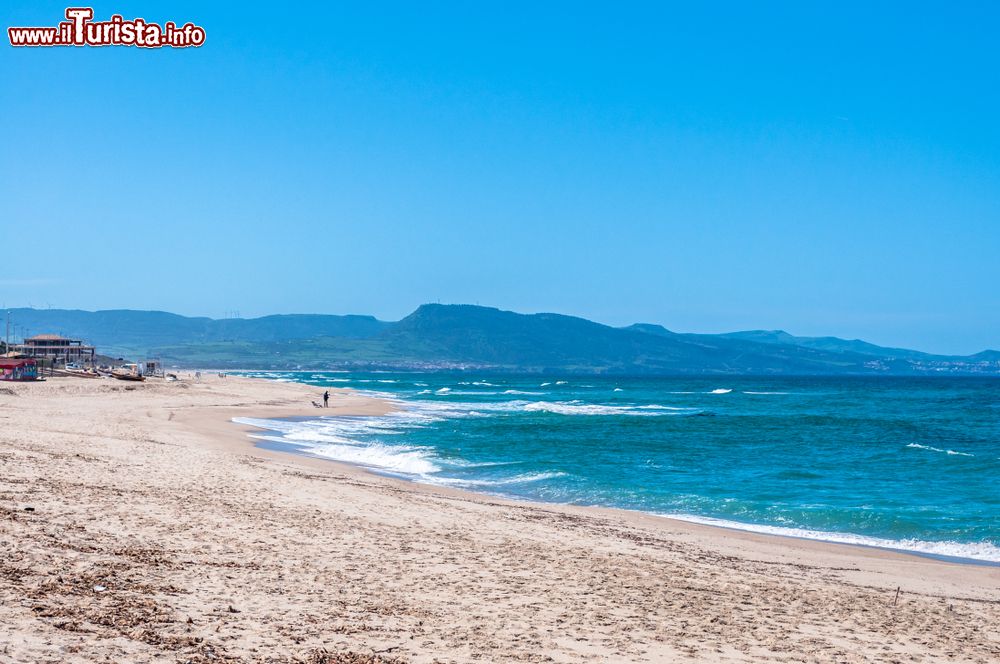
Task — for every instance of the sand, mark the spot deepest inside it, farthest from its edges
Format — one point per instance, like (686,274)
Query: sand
(158,533)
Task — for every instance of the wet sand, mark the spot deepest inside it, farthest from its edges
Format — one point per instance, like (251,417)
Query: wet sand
(158,532)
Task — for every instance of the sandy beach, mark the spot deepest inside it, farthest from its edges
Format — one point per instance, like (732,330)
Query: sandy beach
(139,524)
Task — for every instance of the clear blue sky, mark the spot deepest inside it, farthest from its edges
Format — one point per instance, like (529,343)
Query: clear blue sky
(826,168)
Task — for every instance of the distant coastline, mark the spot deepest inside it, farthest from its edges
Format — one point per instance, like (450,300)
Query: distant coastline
(474,338)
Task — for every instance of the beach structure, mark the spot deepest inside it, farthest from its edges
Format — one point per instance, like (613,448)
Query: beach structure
(56,347)
(18,369)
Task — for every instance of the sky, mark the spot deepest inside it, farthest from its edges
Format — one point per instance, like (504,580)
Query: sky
(827,168)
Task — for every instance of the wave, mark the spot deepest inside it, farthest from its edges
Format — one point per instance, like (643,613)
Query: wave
(938,449)
(385,457)
(721,390)
(416,408)
(984,551)
(340,438)
(461,463)
(522,392)
(443,390)
(751,392)
(407,460)
(450,409)
(427,411)
(517,479)
(659,407)
(577,408)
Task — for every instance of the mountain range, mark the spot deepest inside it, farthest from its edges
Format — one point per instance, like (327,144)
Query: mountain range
(466,337)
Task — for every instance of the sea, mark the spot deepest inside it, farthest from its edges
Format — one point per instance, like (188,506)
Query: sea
(902,463)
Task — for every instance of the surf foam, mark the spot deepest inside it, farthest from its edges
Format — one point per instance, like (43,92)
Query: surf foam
(984,551)
(577,408)
(938,449)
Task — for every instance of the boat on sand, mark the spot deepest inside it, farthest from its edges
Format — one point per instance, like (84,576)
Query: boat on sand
(128,372)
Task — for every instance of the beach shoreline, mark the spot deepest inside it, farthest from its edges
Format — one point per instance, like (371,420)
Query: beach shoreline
(296,450)
(412,564)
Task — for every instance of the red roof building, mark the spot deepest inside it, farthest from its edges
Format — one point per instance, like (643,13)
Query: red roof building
(55,347)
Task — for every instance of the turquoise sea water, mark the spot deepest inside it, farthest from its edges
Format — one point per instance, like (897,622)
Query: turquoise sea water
(908,463)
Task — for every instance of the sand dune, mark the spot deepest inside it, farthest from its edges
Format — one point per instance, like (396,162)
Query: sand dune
(137,523)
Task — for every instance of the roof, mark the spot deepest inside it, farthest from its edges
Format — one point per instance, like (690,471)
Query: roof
(5,362)
(49,337)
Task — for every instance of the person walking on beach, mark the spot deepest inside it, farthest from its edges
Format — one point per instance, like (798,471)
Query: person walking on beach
(326,399)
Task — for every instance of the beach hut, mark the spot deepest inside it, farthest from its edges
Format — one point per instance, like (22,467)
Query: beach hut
(24,368)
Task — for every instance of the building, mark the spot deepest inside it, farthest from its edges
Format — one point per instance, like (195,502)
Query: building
(55,347)
(18,369)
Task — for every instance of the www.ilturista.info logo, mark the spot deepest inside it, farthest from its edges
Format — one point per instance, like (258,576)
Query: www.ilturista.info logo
(80,30)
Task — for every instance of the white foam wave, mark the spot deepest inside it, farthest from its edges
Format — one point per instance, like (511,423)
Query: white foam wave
(436,410)
(986,551)
(517,479)
(659,407)
(461,463)
(618,389)
(315,436)
(938,449)
(522,392)
(335,438)
(764,393)
(721,390)
(348,440)
(385,457)
(561,382)
(577,408)
(443,390)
